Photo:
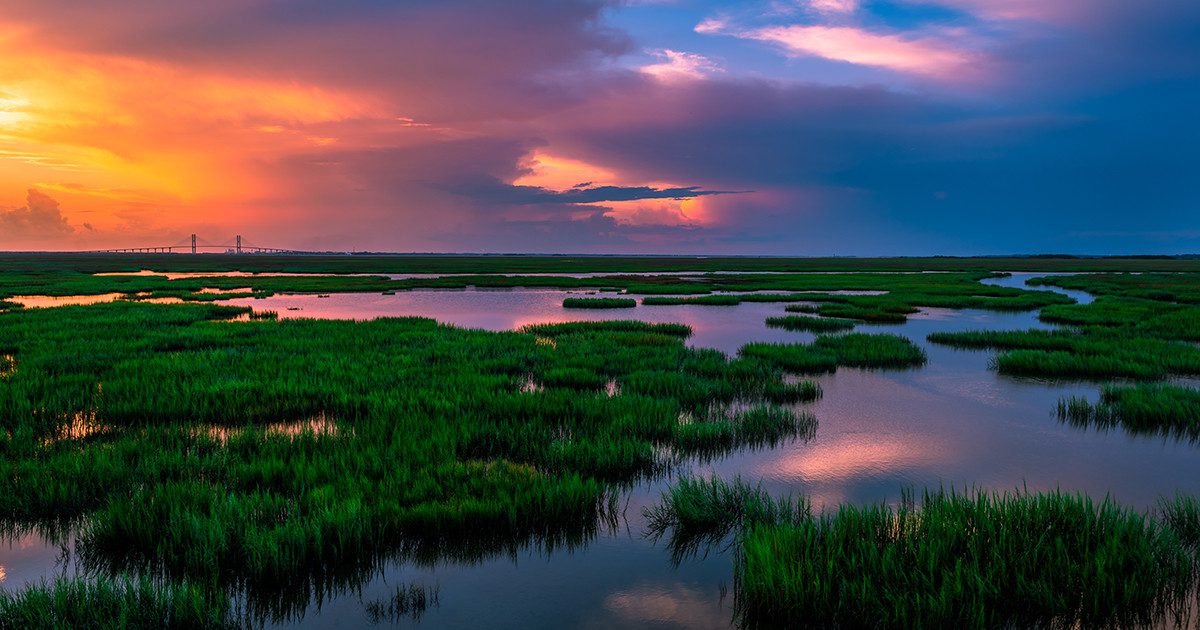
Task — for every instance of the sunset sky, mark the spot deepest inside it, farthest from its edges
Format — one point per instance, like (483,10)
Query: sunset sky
(797,127)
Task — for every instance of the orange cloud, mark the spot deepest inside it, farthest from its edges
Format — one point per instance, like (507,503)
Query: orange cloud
(127,141)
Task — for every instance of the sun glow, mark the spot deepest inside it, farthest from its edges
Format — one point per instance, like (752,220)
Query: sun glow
(12,111)
(128,145)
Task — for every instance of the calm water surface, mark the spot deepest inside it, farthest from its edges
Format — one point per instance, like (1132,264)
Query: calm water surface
(952,423)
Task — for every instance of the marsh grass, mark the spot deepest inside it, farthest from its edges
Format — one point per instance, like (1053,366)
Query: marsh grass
(1146,408)
(904,292)
(872,351)
(1104,357)
(867,314)
(667,285)
(1090,353)
(829,351)
(706,300)
(795,358)
(437,453)
(1007,339)
(113,603)
(714,434)
(1137,328)
(952,560)
(208,468)
(698,512)
(945,559)
(599,303)
(1181,513)
(1183,288)
(810,324)
(550,331)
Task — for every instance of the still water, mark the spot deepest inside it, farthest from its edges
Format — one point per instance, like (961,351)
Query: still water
(953,423)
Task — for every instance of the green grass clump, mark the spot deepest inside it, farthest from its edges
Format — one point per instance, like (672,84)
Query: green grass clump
(829,351)
(1007,339)
(706,300)
(802,308)
(1183,288)
(698,512)
(1143,408)
(947,560)
(1104,311)
(574,378)
(761,425)
(1092,352)
(872,351)
(793,357)
(1134,329)
(870,315)
(810,324)
(298,454)
(1181,513)
(108,603)
(599,303)
(616,325)
(668,286)
(1096,356)
(953,560)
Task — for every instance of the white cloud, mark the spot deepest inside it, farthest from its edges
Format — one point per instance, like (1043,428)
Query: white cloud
(712,25)
(678,65)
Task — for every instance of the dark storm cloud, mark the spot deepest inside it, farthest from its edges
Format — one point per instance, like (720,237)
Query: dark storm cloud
(497,192)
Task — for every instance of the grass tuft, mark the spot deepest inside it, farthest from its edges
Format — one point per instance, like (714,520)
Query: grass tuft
(1145,408)
(112,603)
(829,351)
(705,300)
(599,303)
(948,559)
(810,324)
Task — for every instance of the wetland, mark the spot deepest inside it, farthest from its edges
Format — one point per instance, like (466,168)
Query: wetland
(597,442)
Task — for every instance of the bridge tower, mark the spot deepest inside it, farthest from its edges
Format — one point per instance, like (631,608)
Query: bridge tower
(193,243)
(239,243)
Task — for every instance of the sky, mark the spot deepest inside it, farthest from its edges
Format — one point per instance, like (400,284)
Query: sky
(773,127)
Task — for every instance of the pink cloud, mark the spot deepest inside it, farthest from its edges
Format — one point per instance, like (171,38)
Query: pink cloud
(678,66)
(925,56)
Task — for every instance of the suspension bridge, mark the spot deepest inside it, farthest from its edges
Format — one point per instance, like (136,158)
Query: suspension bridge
(197,245)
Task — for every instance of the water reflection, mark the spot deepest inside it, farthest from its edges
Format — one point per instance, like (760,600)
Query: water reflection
(678,606)
(1018,280)
(726,328)
(47,301)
